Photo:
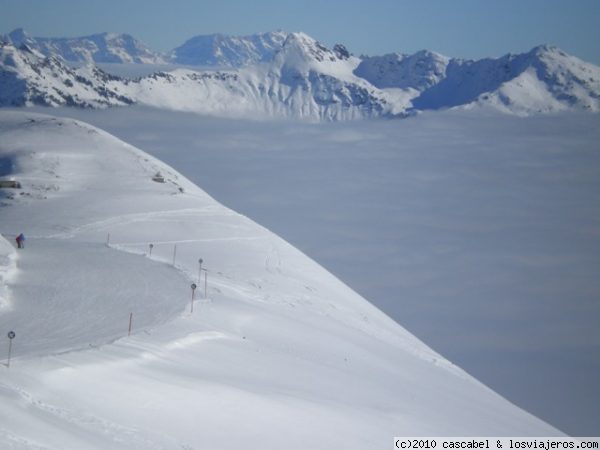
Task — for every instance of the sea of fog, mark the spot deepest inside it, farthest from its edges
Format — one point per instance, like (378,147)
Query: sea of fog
(479,233)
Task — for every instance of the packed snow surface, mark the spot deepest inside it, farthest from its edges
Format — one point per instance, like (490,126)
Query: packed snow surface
(278,354)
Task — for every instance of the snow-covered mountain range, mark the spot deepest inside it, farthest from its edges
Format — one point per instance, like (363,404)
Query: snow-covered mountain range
(96,48)
(304,79)
(293,75)
(217,50)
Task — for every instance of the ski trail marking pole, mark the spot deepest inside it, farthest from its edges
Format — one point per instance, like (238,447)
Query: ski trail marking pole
(151,247)
(130,322)
(11,336)
(205,282)
(200,271)
(174,253)
(108,239)
(193,289)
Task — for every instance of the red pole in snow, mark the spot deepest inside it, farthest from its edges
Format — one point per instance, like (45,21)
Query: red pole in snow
(130,321)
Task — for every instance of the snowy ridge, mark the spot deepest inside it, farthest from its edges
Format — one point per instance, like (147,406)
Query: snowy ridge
(293,75)
(545,79)
(420,71)
(228,51)
(311,81)
(96,48)
(280,354)
(8,269)
(29,78)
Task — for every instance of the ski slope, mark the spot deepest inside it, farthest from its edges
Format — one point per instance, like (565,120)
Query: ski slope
(280,354)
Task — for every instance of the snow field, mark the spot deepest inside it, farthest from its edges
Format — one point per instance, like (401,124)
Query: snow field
(89,290)
(8,268)
(280,355)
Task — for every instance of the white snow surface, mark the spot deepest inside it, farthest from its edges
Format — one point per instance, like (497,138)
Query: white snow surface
(8,266)
(280,353)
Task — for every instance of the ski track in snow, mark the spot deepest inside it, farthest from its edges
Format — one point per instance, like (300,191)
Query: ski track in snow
(49,282)
(128,219)
(85,423)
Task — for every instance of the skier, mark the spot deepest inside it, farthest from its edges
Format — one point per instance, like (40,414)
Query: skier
(21,241)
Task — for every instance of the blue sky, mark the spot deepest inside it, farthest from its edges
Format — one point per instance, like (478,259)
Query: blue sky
(461,28)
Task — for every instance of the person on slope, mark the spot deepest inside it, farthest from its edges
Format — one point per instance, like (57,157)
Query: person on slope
(21,241)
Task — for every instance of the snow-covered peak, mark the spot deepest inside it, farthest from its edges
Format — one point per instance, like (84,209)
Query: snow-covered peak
(229,51)
(18,37)
(341,51)
(563,81)
(431,57)
(545,79)
(546,49)
(23,41)
(418,71)
(301,54)
(11,57)
(301,50)
(97,48)
(553,59)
